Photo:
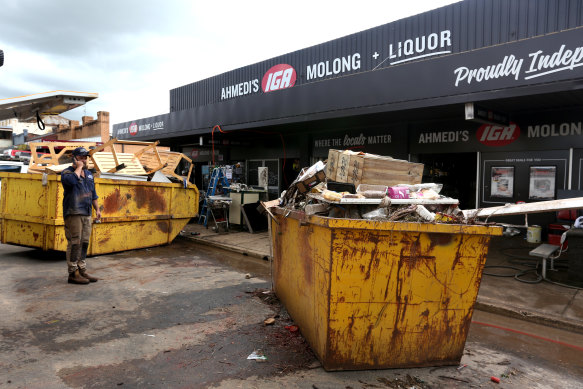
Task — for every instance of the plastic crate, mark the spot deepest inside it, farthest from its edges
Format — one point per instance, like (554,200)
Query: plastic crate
(555,233)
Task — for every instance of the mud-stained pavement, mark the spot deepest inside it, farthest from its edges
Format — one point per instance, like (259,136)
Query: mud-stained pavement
(187,316)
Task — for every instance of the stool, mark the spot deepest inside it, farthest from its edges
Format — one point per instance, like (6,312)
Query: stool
(545,251)
(220,204)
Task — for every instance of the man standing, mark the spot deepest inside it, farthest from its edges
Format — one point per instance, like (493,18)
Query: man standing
(79,197)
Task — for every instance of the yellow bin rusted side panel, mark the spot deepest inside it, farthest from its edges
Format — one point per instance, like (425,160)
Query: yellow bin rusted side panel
(303,276)
(370,295)
(135,214)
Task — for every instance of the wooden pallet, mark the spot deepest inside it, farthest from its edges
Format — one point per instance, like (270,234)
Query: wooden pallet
(169,159)
(106,159)
(58,154)
(124,163)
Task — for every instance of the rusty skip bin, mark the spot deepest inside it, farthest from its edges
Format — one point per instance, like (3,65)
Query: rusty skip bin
(135,214)
(373,295)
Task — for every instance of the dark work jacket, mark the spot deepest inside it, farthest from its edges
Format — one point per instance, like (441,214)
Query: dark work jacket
(79,192)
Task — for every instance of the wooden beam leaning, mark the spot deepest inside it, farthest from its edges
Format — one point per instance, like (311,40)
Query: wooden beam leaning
(521,209)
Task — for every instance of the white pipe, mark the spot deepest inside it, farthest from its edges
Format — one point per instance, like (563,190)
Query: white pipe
(478,179)
(570,168)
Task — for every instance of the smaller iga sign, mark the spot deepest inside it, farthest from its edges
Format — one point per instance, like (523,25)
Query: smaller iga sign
(133,129)
(279,77)
(493,135)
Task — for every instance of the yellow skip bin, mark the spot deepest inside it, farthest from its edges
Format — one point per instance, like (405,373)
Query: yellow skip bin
(373,295)
(135,214)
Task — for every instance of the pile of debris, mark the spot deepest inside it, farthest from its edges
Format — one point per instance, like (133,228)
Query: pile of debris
(372,187)
(111,160)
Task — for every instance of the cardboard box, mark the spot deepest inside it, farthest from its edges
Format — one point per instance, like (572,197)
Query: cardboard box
(332,164)
(307,184)
(362,168)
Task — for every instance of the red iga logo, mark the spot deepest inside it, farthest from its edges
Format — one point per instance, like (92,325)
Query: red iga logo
(280,76)
(194,153)
(133,130)
(493,135)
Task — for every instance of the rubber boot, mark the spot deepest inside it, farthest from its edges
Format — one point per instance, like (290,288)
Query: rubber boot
(90,278)
(75,278)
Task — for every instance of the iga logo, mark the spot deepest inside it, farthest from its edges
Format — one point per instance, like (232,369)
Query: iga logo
(133,129)
(493,135)
(280,76)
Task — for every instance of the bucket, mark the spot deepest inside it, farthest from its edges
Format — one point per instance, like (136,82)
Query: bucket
(533,234)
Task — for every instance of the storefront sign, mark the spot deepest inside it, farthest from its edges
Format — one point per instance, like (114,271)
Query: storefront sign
(240,89)
(538,63)
(430,137)
(420,47)
(278,77)
(133,129)
(553,130)
(492,135)
(383,141)
(488,137)
(201,154)
(334,67)
(352,141)
(506,70)
(142,127)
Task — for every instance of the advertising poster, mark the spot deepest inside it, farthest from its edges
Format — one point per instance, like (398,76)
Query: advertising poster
(502,184)
(542,182)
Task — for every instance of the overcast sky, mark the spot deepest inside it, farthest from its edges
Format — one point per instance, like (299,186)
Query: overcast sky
(132,52)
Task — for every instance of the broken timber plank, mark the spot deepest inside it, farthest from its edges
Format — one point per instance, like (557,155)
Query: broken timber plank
(521,209)
(118,167)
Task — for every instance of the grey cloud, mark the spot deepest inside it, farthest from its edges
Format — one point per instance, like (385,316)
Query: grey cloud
(73,27)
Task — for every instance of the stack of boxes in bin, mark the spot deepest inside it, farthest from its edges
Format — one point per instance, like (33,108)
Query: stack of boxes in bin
(362,168)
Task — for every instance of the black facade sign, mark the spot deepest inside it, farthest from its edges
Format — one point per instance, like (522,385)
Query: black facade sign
(507,70)
(153,127)
(460,27)
(559,132)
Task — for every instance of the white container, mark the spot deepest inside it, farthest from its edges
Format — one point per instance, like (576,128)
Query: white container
(533,234)
(424,213)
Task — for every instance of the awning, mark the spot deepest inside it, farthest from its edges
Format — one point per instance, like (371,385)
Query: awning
(26,108)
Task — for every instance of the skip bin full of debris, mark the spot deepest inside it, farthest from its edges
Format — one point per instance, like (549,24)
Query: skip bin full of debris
(377,282)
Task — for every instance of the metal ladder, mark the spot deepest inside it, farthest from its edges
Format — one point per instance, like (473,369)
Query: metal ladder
(218,177)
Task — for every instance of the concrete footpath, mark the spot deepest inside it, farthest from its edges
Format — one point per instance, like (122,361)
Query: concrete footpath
(543,302)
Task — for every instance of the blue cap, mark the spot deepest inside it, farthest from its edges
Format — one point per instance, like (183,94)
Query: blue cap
(80,151)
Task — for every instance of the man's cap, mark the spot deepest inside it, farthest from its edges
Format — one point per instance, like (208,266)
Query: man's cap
(80,152)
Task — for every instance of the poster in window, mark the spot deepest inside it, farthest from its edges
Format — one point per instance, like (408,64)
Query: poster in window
(542,182)
(502,184)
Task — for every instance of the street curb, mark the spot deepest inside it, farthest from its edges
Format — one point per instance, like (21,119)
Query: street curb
(484,304)
(250,253)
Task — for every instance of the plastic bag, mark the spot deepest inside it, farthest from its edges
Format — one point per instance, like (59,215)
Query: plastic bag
(425,193)
(379,213)
(417,187)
